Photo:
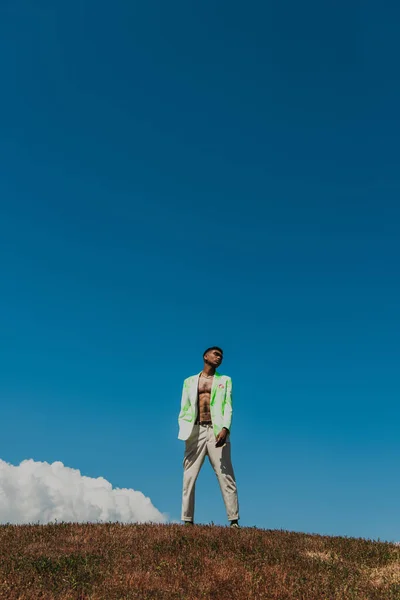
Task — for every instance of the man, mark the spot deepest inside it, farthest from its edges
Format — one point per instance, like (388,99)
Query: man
(204,424)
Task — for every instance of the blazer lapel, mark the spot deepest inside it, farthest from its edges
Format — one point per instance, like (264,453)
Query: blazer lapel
(193,389)
(214,386)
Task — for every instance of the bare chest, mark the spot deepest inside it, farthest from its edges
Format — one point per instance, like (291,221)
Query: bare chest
(205,385)
(204,396)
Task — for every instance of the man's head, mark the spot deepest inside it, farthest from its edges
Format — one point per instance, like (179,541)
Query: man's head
(213,356)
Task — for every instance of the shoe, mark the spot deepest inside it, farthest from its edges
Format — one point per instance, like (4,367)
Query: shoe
(235,524)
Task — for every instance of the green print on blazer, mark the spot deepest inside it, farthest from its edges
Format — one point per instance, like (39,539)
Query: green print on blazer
(220,404)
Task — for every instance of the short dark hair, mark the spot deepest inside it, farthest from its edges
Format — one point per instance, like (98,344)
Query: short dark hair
(212,348)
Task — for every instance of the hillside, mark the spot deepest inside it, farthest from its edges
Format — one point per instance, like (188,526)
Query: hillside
(120,562)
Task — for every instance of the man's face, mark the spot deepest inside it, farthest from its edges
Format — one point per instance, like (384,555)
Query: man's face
(214,358)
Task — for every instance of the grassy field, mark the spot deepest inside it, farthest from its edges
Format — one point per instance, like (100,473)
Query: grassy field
(117,562)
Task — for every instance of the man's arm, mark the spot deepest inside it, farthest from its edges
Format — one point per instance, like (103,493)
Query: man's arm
(227,420)
(185,402)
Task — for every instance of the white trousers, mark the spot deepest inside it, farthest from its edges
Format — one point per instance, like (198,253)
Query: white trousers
(201,443)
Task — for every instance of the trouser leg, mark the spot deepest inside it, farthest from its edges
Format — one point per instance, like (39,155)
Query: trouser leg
(195,453)
(220,459)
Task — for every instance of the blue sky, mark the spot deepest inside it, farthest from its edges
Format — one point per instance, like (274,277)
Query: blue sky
(177,175)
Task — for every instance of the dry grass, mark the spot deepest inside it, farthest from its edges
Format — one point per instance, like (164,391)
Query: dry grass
(386,576)
(121,562)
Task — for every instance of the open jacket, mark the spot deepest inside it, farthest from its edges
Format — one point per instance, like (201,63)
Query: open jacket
(220,404)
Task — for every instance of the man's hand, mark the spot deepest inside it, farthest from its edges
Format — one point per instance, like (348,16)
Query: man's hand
(221,438)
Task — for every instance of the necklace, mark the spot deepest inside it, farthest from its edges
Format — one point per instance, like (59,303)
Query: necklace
(206,376)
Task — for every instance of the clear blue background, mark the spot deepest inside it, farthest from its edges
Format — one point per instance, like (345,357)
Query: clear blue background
(175,175)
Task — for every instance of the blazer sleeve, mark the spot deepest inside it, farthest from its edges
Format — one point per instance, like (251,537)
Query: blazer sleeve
(227,419)
(185,402)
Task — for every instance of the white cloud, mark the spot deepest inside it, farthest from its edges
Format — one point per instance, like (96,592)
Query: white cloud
(39,492)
